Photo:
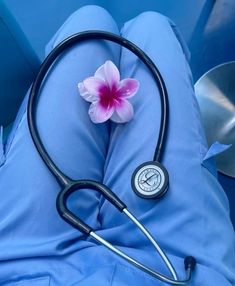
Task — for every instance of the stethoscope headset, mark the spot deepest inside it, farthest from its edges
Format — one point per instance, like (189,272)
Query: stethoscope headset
(150,179)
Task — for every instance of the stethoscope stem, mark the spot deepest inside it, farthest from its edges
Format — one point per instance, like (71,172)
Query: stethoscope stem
(109,195)
(153,241)
(139,265)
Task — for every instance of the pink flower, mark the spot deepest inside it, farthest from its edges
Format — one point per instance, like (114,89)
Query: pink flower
(108,95)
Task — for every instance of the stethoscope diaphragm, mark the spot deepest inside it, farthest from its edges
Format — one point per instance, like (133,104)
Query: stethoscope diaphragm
(150,180)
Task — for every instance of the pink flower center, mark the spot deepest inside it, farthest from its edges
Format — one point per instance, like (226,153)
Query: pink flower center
(109,97)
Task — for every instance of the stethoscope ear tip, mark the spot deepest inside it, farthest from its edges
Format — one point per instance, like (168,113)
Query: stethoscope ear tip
(190,263)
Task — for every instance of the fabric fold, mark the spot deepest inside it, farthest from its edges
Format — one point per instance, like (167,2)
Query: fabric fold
(215,149)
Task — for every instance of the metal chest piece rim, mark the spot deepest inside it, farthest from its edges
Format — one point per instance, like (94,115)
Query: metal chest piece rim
(150,180)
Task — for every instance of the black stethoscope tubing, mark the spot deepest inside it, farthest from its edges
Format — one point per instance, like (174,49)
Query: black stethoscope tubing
(69,42)
(68,185)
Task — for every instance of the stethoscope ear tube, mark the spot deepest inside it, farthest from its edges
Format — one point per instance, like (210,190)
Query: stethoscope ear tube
(66,214)
(79,224)
(51,58)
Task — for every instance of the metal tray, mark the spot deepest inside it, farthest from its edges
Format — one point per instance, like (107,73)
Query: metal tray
(215,92)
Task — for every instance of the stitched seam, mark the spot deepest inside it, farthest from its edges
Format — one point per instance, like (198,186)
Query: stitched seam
(113,274)
(9,145)
(49,281)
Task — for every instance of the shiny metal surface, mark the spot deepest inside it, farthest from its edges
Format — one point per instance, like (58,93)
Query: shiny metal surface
(141,266)
(215,92)
(154,243)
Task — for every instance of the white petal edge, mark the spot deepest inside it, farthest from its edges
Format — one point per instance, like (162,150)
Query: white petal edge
(123,113)
(98,114)
(85,94)
(100,73)
(112,74)
(93,85)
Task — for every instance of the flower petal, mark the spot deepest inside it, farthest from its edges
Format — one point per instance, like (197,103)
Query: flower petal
(98,114)
(94,85)
(112,74)
(128,87)
(85,94)
(100,73)
(123,112)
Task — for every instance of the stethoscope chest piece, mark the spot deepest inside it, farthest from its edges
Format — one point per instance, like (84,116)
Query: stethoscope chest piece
(150,180)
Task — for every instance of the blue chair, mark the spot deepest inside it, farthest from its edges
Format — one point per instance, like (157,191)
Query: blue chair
(19,64)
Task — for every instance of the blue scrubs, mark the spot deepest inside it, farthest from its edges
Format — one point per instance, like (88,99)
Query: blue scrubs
(37,247)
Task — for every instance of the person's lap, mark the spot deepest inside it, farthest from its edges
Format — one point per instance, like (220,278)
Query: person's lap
(30,225)
(195,202)
(184,221)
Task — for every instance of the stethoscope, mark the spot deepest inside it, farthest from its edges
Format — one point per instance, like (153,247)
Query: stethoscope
(149,180)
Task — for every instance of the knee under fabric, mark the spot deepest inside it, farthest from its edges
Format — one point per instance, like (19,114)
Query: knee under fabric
(37,247)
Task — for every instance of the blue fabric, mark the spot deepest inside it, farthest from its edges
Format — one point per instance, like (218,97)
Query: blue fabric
(37,247)
(215,149)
